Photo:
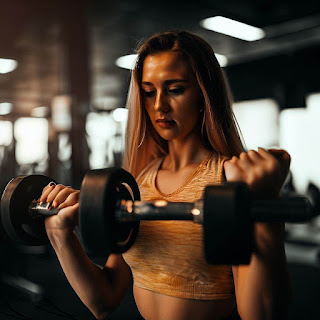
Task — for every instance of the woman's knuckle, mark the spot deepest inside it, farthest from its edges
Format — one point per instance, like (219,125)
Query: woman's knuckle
(252,153)
(72,196)
(243,155)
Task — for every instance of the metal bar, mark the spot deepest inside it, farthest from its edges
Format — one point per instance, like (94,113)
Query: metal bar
(291,209)
(155,210)
(37,209)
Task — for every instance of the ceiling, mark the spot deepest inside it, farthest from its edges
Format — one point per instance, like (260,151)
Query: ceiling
(70,47)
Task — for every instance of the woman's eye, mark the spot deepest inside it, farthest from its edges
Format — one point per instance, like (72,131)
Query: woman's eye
(177,91)
(148,94)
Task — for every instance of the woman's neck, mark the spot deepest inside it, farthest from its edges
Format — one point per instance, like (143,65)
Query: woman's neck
(184,153)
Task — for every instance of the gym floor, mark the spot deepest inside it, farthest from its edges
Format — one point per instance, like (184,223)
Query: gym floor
(34,287)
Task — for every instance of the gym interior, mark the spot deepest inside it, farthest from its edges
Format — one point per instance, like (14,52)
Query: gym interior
(64,78)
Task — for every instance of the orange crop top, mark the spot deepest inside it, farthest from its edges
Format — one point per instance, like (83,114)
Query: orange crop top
(167,256)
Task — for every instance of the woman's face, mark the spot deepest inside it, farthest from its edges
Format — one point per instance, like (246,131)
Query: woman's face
(172,96)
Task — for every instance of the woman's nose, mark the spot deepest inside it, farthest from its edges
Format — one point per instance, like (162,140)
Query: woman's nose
(161,104)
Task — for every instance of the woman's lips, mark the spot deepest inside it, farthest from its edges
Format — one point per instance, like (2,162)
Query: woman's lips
(165,123)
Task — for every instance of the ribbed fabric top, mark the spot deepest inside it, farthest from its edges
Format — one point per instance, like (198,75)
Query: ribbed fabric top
(167,256)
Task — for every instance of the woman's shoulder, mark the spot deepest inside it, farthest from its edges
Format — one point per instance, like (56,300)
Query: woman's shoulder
(215,167)
(217,159)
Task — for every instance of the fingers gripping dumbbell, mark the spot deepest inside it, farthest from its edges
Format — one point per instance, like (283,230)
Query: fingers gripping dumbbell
(22,217)
(110,212)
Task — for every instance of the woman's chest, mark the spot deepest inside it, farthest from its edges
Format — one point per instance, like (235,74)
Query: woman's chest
(168,182)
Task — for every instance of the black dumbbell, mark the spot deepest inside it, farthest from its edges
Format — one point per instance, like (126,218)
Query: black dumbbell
(110,212)
(16,221)
(227,213)
(22,216)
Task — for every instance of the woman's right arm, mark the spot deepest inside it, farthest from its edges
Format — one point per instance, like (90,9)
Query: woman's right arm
(101,290)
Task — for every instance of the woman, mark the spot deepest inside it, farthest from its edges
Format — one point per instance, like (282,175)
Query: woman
(181,136)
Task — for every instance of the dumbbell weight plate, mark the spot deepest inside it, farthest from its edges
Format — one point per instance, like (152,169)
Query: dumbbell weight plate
(101,190)
(227,226)
(16,220)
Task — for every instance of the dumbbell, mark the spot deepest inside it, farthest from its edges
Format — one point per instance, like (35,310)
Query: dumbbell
(22,216)
(110,211)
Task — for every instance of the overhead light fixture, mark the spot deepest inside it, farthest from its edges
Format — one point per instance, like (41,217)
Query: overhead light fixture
(5,108)
(233,28)
(7,65)
(128,61)
(223,61)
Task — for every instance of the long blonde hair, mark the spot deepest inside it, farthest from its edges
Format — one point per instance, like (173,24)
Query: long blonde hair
(219,127)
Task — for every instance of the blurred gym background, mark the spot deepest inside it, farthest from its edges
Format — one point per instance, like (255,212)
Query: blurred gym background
(64,75)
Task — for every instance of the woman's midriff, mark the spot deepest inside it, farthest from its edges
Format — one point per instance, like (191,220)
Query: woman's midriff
(156,306)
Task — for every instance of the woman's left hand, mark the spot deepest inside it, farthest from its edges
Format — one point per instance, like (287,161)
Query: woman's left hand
(264,171)
(263,287)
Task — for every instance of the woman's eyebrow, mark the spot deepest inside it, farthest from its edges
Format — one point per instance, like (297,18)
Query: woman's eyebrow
(171,81)
(167,82)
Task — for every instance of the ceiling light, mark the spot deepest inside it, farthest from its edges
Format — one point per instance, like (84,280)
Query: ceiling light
(7,65)
(223,61)
(127,62)
(5,108)
(233,28)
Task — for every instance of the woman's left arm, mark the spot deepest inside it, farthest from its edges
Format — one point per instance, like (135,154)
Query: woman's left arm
(263,288)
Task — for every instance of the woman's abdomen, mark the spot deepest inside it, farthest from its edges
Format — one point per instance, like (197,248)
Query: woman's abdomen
(156,306)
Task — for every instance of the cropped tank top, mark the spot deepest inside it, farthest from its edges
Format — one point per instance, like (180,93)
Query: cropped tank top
(167,256)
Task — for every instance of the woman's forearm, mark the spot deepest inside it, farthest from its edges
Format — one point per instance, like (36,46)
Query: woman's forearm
(90,282)
(264,286)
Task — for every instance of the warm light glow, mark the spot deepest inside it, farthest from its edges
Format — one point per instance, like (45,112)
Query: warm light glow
(195,212)
(5,108)
(160,203)
(6,133)
(7,65)
(120,114)
(127,61)
(233,28)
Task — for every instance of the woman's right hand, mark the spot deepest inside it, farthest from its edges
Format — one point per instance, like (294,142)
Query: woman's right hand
(66,200)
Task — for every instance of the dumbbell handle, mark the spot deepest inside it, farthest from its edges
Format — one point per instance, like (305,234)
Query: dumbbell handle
(129,211)
(37,208)
(294,210)
(142,210)
(288,209)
